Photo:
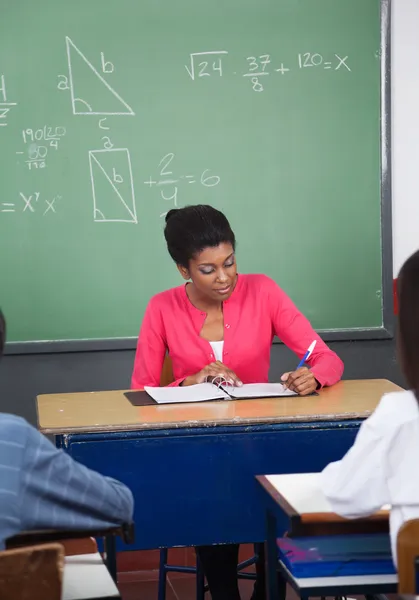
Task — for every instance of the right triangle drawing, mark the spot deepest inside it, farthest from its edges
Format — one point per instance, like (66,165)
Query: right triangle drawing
(91,94)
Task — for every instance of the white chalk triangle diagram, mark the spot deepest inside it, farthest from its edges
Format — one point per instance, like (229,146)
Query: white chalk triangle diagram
(90,93)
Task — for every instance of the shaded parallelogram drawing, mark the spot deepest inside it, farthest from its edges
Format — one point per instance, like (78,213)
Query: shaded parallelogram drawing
(112,186)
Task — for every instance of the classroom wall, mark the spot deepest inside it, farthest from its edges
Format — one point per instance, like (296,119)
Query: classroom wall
(405,130)
(23,377)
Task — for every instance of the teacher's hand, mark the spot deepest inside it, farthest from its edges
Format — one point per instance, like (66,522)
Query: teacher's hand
(212,371)
(301,381)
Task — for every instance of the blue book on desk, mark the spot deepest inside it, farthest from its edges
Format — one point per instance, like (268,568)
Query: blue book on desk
(337,555)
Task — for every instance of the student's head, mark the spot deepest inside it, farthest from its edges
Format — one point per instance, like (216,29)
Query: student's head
(2,333)
(408,296)
(202,244)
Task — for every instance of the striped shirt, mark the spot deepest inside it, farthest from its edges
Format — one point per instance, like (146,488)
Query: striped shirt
(42,487)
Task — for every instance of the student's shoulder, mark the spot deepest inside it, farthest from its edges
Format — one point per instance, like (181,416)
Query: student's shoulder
(13,429)
(394,410)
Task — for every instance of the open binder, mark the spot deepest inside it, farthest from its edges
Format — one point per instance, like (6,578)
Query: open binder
(217,389)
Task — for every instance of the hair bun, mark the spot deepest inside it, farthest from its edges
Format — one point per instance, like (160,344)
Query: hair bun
(171,212)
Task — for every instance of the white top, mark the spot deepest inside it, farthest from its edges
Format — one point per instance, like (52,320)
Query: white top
(217,348)
(381,467)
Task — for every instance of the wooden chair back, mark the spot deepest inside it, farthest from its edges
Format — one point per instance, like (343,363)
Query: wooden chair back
(32,573)
(407,551)
(72,545)
(81,546)
(166,376)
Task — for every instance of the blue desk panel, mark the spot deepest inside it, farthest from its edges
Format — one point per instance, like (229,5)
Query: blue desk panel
(195,485)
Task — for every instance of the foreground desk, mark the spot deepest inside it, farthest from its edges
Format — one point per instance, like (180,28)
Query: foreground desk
(191,467)
(299,498)
(108,535)
(86,577)
(42,571)
(308,512)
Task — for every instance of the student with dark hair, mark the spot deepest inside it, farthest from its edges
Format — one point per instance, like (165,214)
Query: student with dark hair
(42,487)
(381,466)
(223,323)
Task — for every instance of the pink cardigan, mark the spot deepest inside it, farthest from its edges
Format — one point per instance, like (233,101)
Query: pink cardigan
(256,311)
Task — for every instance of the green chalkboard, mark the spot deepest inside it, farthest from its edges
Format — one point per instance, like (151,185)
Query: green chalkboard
(111,113)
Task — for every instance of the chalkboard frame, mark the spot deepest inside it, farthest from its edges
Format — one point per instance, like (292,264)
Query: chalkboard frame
(384,332)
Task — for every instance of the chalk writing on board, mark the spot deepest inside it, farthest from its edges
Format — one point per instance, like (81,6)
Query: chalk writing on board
(47,134)
(37,152)
(167,180)
(107,144)
(205,64)
(31,203)
(257,67)
(112,186)
(107,66)
(80,70)
(8,207)
(316,60)
(102,124)
(27,200)
(37,155)
(5,106)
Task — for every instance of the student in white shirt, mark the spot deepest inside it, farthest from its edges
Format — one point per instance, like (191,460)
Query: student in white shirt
(382,465)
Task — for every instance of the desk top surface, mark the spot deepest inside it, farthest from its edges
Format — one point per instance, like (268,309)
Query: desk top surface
(300,495)
(93,412)
(87,578)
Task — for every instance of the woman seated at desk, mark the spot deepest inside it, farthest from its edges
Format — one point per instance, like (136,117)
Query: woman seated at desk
(222,323)
(381,466)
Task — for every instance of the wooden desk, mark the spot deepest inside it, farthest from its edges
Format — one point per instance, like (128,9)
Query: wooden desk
(192,467)
(111,411)
(34,537)
(300,498)
(87,578)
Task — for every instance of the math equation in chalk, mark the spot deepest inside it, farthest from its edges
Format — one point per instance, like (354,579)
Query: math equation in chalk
(38,143)
(169,184)
(31,203)
(212,63)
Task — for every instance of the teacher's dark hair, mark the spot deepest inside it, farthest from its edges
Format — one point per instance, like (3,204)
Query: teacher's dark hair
(2,333)
(191,229)
(408,342)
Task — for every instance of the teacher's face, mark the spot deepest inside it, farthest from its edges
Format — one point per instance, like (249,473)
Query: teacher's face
(213,272)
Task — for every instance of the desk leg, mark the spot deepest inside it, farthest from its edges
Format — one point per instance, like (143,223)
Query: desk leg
(164,553)
(110,555)
(200,580)
(276,584)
